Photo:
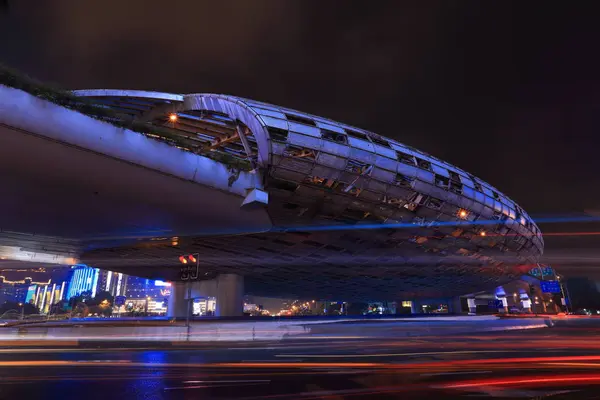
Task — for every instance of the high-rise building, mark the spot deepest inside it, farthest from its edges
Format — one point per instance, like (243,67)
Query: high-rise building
(14,290)
(88,279)
(26,290)
(82,279)
(113,282)
(44,296)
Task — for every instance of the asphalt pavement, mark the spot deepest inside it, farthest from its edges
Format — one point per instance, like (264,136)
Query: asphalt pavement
(561,362)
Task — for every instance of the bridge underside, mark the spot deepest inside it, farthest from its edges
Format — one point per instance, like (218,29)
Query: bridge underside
(123,217)
(323,265)
(335,227)
(90,200)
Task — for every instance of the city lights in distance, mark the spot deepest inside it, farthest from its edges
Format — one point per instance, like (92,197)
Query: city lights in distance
(482,233)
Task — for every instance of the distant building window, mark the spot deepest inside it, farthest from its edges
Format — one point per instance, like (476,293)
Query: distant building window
(407,304)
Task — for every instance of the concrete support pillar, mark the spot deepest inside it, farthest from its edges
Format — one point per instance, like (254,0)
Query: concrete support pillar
(178,305)
(455,305)
(526,303)
(415,307)
(230,295)
(472,306)
(503,309)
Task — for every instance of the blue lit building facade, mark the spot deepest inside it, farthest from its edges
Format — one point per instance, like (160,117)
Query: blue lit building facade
(82,279)
(141,287)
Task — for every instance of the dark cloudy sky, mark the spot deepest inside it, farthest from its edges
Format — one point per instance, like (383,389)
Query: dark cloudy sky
(509,91)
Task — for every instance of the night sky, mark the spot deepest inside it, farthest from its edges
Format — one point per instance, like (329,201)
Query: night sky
(509,91)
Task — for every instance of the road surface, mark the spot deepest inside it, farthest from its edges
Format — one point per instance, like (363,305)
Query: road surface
(561,362)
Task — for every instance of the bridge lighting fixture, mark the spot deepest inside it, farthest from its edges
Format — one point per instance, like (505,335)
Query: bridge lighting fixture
(183,260)
(463,214)
(192,258)
(173,117)
(482,233)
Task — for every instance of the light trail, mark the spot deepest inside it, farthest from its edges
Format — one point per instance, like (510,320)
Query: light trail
(558,379)
(393,354)
(405,225)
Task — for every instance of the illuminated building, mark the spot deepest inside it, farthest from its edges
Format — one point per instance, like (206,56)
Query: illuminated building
(45,296)
(142,287)
(40,294)
(83,279)
(204,306)
(113,282)
(14,291)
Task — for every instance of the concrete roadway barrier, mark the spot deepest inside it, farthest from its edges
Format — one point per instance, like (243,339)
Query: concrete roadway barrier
(214,330)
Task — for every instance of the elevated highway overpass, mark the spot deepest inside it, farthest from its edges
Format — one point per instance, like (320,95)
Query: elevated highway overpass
(296,204)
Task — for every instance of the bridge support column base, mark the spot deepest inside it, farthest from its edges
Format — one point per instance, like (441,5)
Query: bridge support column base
(455,305)
(472,306)
(178,304)
(415,307)
(230,295)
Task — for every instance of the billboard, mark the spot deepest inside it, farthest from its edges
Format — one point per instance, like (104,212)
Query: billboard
(550,286)
(546,271)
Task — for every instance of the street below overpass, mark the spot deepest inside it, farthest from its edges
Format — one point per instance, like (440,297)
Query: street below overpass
(560,362)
